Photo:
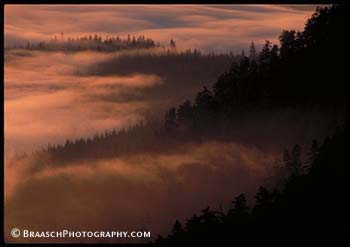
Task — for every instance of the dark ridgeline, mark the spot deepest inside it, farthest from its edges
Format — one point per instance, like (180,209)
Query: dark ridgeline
(165,62)
(148,136)
(139,138)
(307,71)
(183,71)
(89,42)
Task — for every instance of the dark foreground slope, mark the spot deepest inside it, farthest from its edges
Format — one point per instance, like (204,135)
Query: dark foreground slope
(307,71)
(309,209)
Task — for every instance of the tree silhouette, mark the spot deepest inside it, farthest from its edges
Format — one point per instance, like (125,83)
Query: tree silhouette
(239,205)
(263,200)
(170,119)
(253,55)
(172,44)
(295,165)
(288,43)
(185,114)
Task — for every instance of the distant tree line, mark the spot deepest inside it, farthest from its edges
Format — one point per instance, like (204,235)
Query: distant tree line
(169,63)
(91,42)
(142,137)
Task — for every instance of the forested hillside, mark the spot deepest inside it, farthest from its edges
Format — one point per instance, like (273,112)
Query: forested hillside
(307,71)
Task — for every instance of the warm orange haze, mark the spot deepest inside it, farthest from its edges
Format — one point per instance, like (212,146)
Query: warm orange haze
(87,89)
(43,87)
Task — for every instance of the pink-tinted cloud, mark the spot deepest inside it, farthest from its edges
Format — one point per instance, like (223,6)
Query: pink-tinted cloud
(45,102)
(227,27)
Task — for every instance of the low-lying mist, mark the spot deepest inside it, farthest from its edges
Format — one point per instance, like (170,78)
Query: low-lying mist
(138,192)
(145,190)
(53,96)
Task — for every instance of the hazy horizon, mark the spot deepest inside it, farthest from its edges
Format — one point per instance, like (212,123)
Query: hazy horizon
(218,28)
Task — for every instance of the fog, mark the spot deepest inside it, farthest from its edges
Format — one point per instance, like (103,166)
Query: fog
(218,28)
(53,96)
(47,100)
(138,192)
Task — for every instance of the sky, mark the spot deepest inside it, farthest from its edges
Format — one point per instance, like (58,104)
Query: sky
(212,27)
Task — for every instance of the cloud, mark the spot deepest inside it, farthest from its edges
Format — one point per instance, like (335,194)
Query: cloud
(221,28)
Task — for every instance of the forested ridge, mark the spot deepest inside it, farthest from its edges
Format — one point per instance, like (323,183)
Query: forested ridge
(306,71)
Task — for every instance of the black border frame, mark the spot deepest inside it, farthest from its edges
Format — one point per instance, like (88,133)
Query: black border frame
(120,2)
